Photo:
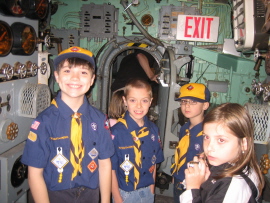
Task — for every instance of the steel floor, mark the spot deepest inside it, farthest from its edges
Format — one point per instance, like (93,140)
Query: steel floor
(163,199)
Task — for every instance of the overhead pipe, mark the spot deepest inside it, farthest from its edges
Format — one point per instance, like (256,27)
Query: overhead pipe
(139,26)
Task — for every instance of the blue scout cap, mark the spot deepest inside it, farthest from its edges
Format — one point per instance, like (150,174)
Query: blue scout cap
(77,52)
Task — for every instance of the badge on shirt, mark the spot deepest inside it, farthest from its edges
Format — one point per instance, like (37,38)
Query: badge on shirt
(126,165)
(93,153)
(32,136)
(197,147)
(106,125)
(35,125)
(152,168)
(92,166)
(153,160)
(60,161)
(94,126)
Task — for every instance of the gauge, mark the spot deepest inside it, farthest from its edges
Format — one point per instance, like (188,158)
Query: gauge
(25,39)
(36,9)
(12,7)
(147,20)
(6,38)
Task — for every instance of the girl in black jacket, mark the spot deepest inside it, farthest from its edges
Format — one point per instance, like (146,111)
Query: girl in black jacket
(228,170)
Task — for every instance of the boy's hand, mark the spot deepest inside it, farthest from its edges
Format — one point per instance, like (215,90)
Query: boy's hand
(197,174)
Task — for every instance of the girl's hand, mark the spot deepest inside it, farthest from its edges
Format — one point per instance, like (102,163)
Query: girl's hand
(197,174)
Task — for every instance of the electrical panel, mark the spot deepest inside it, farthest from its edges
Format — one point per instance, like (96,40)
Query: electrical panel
(168,20)
(99,21)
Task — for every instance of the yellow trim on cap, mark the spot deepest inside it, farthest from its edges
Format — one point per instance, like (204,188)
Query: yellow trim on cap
(77,50)
(193,90)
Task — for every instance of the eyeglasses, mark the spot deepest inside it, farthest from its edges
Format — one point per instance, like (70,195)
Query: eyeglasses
(185,102)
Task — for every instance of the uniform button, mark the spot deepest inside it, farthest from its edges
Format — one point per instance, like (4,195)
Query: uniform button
(144,173)
(143,157)
(142,142)
(154,150)
(94,143)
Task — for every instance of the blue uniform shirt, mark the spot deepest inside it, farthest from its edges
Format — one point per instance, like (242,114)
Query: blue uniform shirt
(151,152)
(50,135)
(195,147)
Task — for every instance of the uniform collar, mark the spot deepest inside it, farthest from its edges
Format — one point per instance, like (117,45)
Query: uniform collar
(66,111)
(132,125)
(196,127)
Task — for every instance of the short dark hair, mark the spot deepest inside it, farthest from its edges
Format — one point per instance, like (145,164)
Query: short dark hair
(74,61)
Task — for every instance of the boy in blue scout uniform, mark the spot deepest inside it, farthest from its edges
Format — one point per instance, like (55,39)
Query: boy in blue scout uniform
(194,100)
(69,146)
(137,147)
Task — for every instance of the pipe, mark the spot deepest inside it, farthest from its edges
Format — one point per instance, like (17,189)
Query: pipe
(138,25)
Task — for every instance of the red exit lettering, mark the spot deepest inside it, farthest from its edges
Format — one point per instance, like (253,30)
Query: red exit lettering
(197,25)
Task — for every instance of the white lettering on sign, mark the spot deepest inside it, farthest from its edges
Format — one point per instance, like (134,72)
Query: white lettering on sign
(197,28)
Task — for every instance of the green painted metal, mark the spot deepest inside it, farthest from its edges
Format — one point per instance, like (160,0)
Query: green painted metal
(208,64)
(222,60)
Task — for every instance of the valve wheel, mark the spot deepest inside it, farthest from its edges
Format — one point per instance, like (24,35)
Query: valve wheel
(12,131)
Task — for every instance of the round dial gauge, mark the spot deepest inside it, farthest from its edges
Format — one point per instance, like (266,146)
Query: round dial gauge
(25,39)
(147,20)
(12,7)
(36,9)
(6,38)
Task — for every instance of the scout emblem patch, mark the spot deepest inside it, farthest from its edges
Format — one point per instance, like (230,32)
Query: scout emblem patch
(94,126)
(126,166)
(92,166)
(154,158)
(152,168)
(60,162)
(197,147)
(93,153)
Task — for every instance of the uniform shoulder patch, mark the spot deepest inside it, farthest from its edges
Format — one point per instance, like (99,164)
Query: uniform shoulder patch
(35,125)
(32,136)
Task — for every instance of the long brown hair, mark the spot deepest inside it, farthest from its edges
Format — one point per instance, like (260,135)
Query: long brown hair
(236,118)
(117,106)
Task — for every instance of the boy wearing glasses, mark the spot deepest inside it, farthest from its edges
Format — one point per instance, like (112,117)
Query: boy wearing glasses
(194,100)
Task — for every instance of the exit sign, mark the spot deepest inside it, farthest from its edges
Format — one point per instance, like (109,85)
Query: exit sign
(197,28)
